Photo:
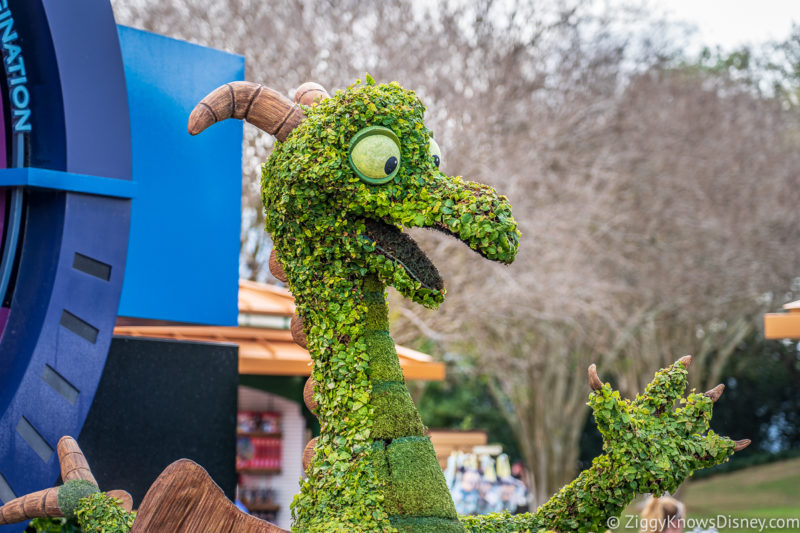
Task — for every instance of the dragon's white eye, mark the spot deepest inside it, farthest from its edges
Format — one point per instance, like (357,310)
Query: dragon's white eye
(375,154)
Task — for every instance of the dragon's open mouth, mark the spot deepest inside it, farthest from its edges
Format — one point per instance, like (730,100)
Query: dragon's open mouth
(403,250)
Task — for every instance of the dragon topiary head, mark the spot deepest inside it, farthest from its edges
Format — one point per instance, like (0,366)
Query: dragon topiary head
(355,169)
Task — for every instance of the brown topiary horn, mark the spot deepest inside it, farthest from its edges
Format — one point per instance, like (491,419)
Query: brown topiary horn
(310,94)
(261,106)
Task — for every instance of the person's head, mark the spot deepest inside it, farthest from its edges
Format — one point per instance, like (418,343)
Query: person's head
(507,492)
(470,480)
(662,515)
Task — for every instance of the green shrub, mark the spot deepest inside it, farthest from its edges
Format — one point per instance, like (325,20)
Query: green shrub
(70,494)
(95,513)
(100,513)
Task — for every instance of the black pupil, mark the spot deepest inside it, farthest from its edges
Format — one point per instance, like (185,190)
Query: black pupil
(390,165)
(436,161)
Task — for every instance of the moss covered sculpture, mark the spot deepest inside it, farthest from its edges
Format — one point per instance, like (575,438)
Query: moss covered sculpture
(347,174)
(344,177)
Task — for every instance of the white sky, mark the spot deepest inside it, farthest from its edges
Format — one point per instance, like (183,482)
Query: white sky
(730,23)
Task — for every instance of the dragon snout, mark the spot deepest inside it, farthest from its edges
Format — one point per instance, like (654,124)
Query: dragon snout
(479,217)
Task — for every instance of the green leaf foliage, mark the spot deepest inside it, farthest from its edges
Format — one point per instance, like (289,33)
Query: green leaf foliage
(70,494)
(317,210)
(373,469)
(649,448)
(95,513)
(100,513)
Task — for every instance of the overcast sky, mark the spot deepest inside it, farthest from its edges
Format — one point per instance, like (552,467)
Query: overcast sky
(730,23)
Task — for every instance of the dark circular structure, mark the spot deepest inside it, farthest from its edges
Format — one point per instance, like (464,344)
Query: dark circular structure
(63,228)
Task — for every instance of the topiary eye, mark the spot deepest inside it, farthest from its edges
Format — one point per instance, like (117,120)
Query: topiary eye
(436,153)
(375,154)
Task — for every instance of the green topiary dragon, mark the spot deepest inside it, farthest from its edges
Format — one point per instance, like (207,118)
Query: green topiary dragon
(347,173)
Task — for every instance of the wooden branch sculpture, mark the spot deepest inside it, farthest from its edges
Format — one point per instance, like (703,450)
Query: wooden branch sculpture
(183,499)
(60,501)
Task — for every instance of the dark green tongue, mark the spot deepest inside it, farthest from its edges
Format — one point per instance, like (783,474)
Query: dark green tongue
(402,249)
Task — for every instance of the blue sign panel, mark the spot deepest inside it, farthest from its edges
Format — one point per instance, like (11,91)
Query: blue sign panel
(183,257)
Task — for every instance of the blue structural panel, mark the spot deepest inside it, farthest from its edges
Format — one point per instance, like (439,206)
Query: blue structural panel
(183,260)
(66,181)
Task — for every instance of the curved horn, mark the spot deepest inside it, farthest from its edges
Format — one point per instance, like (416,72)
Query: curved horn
(310,94)
(73,462)
(594,381)
(261,106)
(41,504)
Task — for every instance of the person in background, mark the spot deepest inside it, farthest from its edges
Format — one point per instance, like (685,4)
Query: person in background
(487,496)
(518,474)
(466,494)
(662,515)
(666,515)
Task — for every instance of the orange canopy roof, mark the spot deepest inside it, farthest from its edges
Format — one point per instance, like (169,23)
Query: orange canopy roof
(263,299)
(783,325)
(269,350)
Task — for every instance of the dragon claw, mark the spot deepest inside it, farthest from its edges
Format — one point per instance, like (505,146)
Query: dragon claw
(686,360)
(594,381)
(715,393)
(741,444)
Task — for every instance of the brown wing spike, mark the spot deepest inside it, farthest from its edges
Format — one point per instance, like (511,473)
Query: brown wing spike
(184,499)
(715,393)
(73,462)
(276,268)
(124,497)
(298,333)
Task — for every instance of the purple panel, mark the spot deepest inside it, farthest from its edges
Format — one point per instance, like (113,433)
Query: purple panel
(3,148)
(2,216)
(3,310)
(3,164)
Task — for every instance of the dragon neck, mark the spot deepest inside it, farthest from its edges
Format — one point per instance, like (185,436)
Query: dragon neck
(399,456)
(416,496)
